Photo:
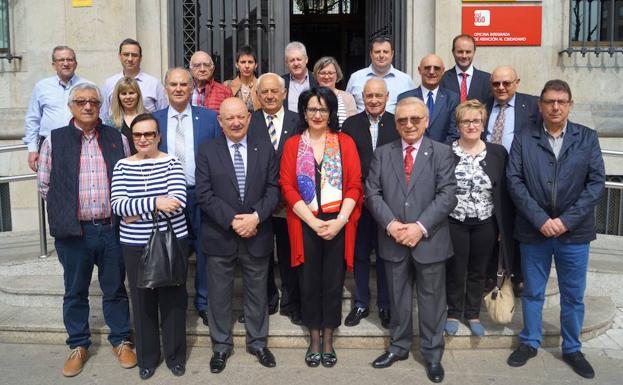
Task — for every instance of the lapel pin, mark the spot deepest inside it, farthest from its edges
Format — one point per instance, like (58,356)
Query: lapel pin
(426,153)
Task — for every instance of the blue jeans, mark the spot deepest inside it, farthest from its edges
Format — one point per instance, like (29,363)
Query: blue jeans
(99,246)
(571,266)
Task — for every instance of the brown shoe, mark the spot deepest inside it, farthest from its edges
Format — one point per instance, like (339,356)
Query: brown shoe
(75,361)
(125,354)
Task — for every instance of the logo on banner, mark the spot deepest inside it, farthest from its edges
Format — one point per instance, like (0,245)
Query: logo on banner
(482,17)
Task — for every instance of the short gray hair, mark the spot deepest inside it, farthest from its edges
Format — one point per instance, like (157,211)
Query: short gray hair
(412,100)
(282,82)
(63,48)
(295,46)
(83,86)
(190,76)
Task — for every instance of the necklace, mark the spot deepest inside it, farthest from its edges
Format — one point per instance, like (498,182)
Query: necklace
(146,178)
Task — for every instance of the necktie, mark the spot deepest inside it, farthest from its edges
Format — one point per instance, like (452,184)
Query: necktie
(408,162)
(180,141)
(239,169)
(498,126)
(430,103)
(464,86)
(272,131)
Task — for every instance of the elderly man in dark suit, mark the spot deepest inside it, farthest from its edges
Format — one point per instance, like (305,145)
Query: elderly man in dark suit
(464,79)
(237,190)
(275,124)
(440,102)
(370,129)
(410,191)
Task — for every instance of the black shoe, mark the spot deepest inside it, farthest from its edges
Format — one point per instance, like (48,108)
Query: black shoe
(295,316)
(385,317)
(387,359)
(265,357)
(434,371)
(218,362)
(145,373)
(521,355)
(312,359)
(178,370)
(328,360)
(579,364)
(356,315)
(203,314)
(241,319)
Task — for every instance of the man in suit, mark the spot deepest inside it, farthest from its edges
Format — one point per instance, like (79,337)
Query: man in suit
(370,129)
(298,78)
(410,191)
(190,127)
(275,124)
(440,101)
(464,79)
(237,190)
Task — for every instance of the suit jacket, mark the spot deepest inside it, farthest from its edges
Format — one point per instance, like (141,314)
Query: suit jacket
(429,198)
(205,126)
(218,196)
(479,87)
(312,83)
(358,127)
(259,130)
(442,125)
(526,113)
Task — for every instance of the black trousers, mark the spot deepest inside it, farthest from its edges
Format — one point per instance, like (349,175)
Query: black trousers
(321,279)
(290,295)
(170,302)
(473,242)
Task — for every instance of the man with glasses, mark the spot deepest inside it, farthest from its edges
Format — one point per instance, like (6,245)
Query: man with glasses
(47,108)
(555,177)
(130,56)
(465,79)
(75,182)
(207,92)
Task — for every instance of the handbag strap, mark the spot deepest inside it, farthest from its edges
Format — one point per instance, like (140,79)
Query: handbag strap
(501,273)
(155,221)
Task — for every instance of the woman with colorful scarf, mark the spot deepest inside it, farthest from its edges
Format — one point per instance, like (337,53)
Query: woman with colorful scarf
(320,178)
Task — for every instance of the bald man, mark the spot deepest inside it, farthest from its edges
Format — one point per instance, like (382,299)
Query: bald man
(439,101)
(207,92)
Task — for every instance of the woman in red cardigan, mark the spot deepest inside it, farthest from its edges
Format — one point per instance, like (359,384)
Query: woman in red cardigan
(320,178)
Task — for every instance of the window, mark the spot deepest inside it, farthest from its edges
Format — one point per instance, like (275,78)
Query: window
(4,27)
(595,26)
(322,7)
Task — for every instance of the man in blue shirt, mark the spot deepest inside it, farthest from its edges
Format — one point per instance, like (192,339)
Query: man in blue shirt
(47,108)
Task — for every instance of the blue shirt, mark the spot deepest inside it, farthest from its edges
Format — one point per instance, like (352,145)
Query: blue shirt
(154,95)
(397,82)
(47,109)
(189,142)
(509,123)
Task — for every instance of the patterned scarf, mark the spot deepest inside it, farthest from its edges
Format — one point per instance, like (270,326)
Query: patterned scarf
(331,174)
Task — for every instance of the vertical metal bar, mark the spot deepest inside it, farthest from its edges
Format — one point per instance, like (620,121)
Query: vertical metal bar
(210,27)
(247,22)
(43,242)
(612,17)
(271,36)
(234,34)
(608,200)
(222,26)
(571,25)
(620,230)
(258,35)
(598,39)
(584,23)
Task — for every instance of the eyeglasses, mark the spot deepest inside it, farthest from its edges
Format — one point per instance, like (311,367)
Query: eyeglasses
(314,111)
(149,135)
(505,83)
(436,68)
(326,73)
(467,123)
(415,120)
(83,102)
(552,102)
(65,60)
(199,65)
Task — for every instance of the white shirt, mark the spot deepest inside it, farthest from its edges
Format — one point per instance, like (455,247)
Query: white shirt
(277,122)
(242,149)
(189,143)
(425,94)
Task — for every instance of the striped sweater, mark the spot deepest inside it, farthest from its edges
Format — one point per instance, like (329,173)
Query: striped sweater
(134,188)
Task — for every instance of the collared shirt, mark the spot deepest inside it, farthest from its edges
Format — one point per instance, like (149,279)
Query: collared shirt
(242,149)
(277,121)
(374,128)
(555,143)
(397,82)
(415,145)
(189,143)
(459,78)
(509,123)
(211,96)
(47,109)
(154,95)
(425,94)
(93,186)
(295,89)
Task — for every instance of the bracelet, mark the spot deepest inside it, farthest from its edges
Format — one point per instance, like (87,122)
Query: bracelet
(343,218)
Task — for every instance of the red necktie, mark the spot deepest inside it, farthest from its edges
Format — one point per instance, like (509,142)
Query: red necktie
(464,86)
(409,162)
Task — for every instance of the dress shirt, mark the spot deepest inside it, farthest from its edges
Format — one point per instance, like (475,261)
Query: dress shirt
(189,142)
(211,96)
(277,121)
(415,146)
(459,78)
(555,143)
(242,149)
(509,123)
(47,109)
(154,95)
(425,95)
(397,82)
(374,128)
(295,89)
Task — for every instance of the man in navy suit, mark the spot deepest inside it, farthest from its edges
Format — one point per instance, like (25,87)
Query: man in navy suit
(440,102)
(464,78)
(189,127)
(298,78)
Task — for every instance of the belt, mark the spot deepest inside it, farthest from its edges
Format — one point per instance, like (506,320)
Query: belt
(97,222)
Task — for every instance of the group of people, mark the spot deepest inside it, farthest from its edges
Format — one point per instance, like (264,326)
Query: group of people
(450,183)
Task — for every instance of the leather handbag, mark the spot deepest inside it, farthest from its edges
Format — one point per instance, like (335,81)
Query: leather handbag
(500,302)
(163,262)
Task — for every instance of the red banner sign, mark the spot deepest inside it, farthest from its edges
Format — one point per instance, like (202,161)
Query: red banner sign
(503,25)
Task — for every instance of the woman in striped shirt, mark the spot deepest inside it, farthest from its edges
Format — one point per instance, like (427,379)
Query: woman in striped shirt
(147,181)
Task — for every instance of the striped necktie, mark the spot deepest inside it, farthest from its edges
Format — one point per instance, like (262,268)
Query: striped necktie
(239,169)
(272,131)
(498,126)
(180,142)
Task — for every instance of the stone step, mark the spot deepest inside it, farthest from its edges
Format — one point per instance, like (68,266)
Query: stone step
(22,324)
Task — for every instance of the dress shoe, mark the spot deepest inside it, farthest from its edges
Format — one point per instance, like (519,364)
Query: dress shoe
(264,356)
(178,370)
(145,373)
(295,316)
(328,360)
(125,354)
(521,355)
(387,359)
(385,317)
(241,319)
(203,314)
(434,371)
(356,315)
(218,362)
(476,327)
(579,364)
(452,326)
(312,359)
(75,361)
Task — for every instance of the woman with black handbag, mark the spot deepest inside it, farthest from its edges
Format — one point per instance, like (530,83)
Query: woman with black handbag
(153,182)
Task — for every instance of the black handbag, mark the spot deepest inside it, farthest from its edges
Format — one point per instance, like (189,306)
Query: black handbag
(163,262)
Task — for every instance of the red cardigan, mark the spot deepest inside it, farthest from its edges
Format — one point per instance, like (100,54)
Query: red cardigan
(351,188)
